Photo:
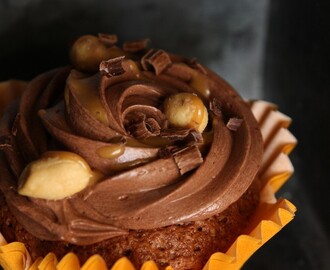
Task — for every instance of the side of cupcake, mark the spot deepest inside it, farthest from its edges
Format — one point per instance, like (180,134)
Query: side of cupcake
(133,152)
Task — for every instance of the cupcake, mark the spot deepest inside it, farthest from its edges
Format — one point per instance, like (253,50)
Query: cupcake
(136,153)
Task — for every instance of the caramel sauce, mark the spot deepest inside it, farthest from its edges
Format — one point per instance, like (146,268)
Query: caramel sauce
(112,151)
(87,93)
(200,83)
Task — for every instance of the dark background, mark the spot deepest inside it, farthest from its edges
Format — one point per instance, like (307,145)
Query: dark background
(275,50)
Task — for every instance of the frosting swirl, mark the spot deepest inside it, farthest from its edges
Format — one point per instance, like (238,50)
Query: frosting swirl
(153,175)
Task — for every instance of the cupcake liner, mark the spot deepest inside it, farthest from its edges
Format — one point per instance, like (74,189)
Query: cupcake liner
(269,218)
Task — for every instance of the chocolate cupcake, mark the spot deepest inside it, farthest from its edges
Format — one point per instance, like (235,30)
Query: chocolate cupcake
(130,152)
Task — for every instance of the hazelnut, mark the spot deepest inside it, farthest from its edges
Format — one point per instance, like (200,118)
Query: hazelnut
(56,175)
(88,51)
(186,110)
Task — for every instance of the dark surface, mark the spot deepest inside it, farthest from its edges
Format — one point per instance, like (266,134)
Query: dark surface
(276,50)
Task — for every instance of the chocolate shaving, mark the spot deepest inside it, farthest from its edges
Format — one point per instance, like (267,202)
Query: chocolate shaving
(198,66)
(112,67)
(234,123)
(194,137)
(144,129)
(186,136)
(181,72)
(158,59)
(108,40)
(135,45)
(144,63)
(175,134)
(153,126)
(188,159)
(215,107)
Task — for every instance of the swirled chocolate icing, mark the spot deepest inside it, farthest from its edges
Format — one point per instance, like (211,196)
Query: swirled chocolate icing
(154,175)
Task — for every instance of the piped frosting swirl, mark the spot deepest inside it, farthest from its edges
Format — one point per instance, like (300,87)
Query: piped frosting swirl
(154,175)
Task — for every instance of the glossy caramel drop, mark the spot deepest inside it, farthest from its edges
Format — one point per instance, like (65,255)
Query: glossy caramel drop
(87,92)
(200,83)
(112,151)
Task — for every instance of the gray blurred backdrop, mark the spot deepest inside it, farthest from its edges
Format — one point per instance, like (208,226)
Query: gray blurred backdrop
(228,36)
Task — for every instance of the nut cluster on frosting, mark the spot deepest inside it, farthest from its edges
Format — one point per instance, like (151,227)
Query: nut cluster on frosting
(148,134)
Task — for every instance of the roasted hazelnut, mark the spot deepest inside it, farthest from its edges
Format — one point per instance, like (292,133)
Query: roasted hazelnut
(186,110)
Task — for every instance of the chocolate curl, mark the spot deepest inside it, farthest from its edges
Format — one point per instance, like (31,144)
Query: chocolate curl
(112,67)
(158,59)
(234,123)
(108,40)
(137,113)
(135,45)
(185,135)
(188,159)
(144,129)
(188,138)
(179,71)
(175,134)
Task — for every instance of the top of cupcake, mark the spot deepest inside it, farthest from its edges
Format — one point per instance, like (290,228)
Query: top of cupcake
(127,138)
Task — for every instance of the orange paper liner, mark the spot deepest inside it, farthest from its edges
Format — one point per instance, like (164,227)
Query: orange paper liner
(270,217)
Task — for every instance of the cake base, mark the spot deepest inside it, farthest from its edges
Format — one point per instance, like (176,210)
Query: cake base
(183,246)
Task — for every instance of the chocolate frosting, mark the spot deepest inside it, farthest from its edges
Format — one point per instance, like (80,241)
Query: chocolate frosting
(161,176)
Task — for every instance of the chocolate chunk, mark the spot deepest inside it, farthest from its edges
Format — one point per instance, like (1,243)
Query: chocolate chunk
(108,40)
(188,159)
(234,123)
(112,67)
(136,45)
(158,59)
(215,107)
(194,137)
